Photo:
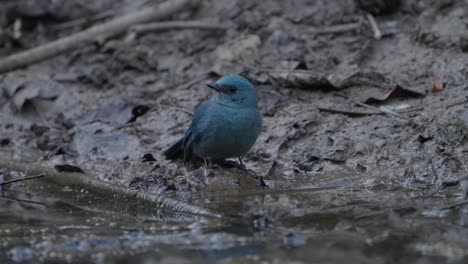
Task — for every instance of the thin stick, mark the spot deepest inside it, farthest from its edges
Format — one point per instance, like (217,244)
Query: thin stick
(92,18)
(375,108)
(347,112)
(371,214)
(457,103)
(20,200)
(455,205)
(337,28)
(102,31)
(82,21)
(374,26)
(170,25)
(22,179)
(198,79)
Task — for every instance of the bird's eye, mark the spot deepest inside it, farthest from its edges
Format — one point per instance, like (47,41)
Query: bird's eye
(232,89)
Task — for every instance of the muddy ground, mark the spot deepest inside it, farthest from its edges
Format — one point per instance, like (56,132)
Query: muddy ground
(346,179)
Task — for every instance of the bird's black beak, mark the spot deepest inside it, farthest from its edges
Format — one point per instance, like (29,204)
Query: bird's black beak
(214,86)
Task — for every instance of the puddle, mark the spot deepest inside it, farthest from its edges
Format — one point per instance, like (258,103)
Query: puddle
(328,225)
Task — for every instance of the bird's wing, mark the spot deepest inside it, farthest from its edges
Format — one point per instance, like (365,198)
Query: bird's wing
(199,124)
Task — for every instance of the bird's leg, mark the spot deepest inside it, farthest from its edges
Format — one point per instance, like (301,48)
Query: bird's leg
(242,166)
(205,168)
(262,183)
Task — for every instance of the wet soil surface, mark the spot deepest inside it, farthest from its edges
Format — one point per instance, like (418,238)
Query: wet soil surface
(345,182)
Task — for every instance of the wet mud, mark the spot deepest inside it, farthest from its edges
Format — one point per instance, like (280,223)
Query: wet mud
(362,154)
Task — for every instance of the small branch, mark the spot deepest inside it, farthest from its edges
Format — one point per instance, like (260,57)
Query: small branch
(82,21)
(102,31)
(371,214)
(347,112)
(21,200)
(457,103)
(170,25)
(337,28)
(196,80)
(93,18)
(374,26)
(341,28)
(22,179)
(375,108)
(455,205)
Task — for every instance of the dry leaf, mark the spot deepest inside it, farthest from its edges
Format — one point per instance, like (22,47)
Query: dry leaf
(437,86)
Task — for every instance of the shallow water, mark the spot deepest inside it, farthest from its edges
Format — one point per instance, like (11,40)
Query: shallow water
(80,109)
(341,224)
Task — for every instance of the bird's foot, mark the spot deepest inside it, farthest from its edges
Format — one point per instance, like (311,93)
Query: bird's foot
(229,164)
(263,185)
(241,165)
(205,171)
(206,168)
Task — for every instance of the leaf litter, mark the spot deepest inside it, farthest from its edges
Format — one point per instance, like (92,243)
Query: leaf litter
(364,180)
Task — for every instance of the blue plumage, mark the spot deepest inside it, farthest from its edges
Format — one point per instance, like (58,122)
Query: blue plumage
(227,125)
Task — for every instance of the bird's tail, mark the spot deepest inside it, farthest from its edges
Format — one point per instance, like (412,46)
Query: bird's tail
(175,150)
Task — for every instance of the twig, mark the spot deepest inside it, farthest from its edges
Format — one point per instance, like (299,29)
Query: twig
(374,26)
(347,112)
(457,103)
(82,21)
(376,108)
(93,18)
(170,25)
(371,214)
(196,80)
(188,112)
(22,179)
(187,85)
(455,205)
(21,200)
(409,110)
(329,29)
(336,28)
(102,31)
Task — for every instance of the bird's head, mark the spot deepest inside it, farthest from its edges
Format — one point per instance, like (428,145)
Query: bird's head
(234,90)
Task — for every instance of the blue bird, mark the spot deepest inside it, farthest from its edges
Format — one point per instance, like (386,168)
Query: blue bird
(224,126)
